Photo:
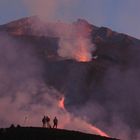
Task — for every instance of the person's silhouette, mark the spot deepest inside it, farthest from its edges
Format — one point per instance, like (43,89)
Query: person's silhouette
(44,122)
(55,122)
(48,122)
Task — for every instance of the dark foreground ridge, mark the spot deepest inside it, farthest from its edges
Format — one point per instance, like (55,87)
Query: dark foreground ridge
(34,133)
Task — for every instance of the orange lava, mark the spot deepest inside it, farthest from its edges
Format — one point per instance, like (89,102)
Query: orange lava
(99,131)
(82,58)
(83,54)
(61,103)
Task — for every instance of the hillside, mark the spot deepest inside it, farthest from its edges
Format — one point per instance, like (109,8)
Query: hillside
(31,133)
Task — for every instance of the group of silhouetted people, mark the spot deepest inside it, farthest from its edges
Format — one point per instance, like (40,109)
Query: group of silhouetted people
(46,121)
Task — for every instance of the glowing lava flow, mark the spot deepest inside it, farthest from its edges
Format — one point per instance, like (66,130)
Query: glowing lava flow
(61,103)
(84,50)
(82,58)
(100,132)
(90,127)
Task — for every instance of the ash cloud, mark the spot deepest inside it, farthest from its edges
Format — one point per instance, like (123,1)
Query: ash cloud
(113,103)
(123,100)
(74,39)
(50,10)
(25,98)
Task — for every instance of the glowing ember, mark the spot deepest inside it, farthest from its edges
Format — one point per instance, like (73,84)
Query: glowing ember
(84,49)
(100,132)
(76,43)
(61,103)
(82,58)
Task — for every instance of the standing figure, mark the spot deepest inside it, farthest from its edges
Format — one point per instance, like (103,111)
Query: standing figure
(44,122)
(55,122)
(48,122)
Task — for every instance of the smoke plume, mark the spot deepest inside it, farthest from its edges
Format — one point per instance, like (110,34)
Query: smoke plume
(25,98)
(74,39)
(50,10)
(75,42)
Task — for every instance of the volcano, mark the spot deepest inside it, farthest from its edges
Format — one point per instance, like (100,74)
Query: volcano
(104,90)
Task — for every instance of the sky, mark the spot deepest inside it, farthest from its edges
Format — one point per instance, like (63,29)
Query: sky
(119,15)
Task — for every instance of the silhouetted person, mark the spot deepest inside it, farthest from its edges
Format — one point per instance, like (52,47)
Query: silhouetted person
(44,122)
(12,126)
(48,122)
(55,122)
(18,126)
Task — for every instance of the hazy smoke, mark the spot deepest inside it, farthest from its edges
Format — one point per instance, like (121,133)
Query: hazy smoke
(113,103)
(50,10)
(74,39)
(25,98)
(123,99)
(75,42)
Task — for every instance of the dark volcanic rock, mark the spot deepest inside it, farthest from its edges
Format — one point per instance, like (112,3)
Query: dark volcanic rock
(50,134)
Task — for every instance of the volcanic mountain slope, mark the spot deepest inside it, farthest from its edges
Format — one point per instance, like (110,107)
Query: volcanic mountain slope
(24,133)
(104,90)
